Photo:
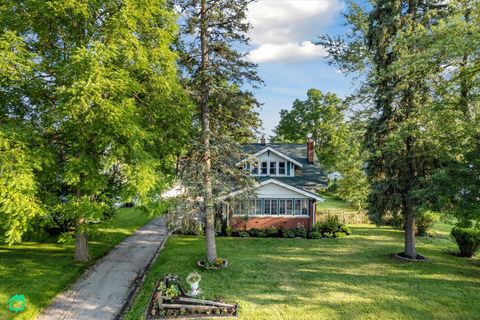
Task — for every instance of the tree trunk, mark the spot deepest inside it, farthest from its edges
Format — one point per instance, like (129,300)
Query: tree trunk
(410,250)
(81,242)
(207,180)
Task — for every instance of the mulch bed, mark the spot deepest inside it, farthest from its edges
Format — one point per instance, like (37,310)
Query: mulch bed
(183,306)
(418,258)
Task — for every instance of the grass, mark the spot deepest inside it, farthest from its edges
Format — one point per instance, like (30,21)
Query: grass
(332,203)
(42,270)
(348,278)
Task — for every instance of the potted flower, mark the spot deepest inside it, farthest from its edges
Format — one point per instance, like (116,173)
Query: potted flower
(193,279)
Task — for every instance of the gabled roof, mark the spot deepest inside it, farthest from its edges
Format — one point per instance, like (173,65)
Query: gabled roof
(309,177)
(277,152)
(306,193)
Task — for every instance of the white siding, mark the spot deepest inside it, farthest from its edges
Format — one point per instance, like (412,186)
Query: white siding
(273,157)
(272,190)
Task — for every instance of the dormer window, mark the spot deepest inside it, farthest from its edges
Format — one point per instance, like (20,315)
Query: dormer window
(273,168)
(264,168)
(281,168)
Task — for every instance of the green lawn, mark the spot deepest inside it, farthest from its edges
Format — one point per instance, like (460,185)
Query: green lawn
(349,278)
(42,270)
(332,203)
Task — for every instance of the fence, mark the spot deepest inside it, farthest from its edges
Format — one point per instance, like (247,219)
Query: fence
(343,216)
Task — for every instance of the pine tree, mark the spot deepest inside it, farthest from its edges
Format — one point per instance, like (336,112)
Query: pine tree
(400,158)
(212,32)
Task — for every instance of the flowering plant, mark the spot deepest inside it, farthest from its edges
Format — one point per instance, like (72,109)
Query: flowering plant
(194,277)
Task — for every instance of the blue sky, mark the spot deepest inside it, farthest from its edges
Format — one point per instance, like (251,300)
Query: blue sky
(289,63)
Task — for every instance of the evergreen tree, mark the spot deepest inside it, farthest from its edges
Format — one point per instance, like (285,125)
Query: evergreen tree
(214,70)
(400,159)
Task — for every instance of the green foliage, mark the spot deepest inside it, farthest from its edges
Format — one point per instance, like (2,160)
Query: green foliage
(272,231)
(425,220)
(332,228)
(229,231)
(467,240)
(19,202)
(321,116)
(95,91)
(314,235)
(288,233)
(300,231)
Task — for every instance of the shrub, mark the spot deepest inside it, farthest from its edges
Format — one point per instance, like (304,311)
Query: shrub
(272,231)
(467,239)
(346,230)
(332,228)
(314,235)
(253,232)
(300,231)
(288,233)
(244,234)
(262,233)
(425,220)
(235,232)
(339,234)
(228,231)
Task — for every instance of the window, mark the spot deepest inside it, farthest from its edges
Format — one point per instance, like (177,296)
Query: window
(258,206)
(298,207)
(289,207)
(305,207)
(274,209)
(268,206)
(254,168)
(273,168)
(281,207)
(281,168)
(264,168)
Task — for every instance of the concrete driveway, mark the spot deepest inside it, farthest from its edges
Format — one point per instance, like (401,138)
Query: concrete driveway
(104,290)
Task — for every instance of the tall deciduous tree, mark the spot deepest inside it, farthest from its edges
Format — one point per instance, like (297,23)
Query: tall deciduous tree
(106,101)
(214,70)
(321,117)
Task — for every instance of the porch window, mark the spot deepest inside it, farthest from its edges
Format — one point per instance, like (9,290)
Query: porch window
(281,168)
(264,168)
(281,207)
(268,206)
(305,207)
(289,207)
(298,207)
(258,206)
(274,207)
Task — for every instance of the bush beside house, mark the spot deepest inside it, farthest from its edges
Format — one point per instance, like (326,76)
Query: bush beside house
(330,228)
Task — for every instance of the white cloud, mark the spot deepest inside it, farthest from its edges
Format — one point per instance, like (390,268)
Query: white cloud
(283,29)
(289,51)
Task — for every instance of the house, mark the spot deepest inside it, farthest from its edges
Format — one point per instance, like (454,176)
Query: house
(287,177)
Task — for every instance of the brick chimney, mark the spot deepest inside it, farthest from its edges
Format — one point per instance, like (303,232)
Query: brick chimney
(310,150)
(262,140)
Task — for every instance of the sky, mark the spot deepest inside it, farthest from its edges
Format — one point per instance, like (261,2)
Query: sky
(283,36)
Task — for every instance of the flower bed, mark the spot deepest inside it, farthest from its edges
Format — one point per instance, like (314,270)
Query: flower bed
(169,301)
(219,263)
